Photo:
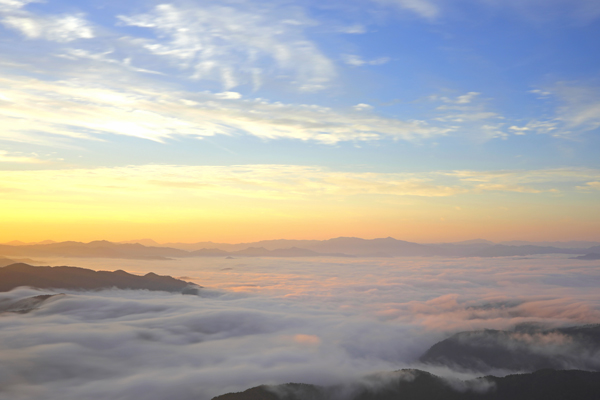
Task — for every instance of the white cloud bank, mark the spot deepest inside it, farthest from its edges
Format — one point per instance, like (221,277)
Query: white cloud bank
(273,321)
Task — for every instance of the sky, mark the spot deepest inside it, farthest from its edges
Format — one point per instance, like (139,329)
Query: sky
(238,120)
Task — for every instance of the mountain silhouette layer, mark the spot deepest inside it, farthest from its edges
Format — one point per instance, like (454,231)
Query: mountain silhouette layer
(20,274)
(420,385)
(524,349)
(337,247)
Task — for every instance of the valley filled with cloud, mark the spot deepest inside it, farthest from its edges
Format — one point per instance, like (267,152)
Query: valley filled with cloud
(272,321)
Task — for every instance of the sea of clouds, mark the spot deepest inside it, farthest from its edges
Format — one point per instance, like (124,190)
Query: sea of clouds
(274,320)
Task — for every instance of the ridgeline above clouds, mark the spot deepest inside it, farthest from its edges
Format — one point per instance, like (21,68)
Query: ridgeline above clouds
(337,247)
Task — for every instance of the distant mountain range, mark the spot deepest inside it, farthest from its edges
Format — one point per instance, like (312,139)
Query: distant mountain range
(337,247)
(420,385)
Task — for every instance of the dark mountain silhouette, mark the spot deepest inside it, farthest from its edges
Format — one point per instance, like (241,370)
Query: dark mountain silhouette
(420,385)
(591,256)
(6,261)
(524,349)
(16,275)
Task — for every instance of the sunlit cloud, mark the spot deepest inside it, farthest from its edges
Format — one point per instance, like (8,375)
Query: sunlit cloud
(6,157)
(29,107)
(289,181)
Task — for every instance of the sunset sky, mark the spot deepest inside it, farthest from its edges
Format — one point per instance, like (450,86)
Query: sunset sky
(238,120)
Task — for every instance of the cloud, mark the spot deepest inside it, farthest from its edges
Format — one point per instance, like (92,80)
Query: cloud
(357,61)
(362,107)
(235,43)
(355,29)
(168,183)
(228,95)
(7,157)
(89,111)
(467,98)
(590,185)
(423,8)
(519,130)
(58,28)
(576,111)
(470,115)
(267,322)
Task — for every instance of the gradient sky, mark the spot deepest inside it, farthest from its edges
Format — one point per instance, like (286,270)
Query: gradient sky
(238,120)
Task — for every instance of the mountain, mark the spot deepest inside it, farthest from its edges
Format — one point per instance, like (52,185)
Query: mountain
(19,243)
(145,242)
(105,249)
(390,247)
(421,385)
(99,249)
(338,247)
(16,275)
(7,261)
(523,349)
(267,244)
(561,245)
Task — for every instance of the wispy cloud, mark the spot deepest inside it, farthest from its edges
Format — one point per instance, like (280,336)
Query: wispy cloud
(6,157)
(357,61)
(576,111)
(470,114)
(292,181)
(89,111)
(235,42)
(59,28)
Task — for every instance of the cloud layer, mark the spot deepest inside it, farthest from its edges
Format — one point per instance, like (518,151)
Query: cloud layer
(273,321)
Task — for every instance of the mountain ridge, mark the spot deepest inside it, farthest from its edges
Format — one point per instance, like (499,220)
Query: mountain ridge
(335,247)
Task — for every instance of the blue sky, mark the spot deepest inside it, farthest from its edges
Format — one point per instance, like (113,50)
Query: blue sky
(374,86)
